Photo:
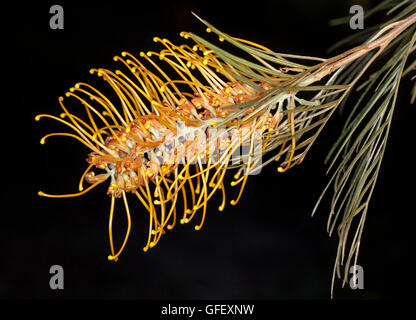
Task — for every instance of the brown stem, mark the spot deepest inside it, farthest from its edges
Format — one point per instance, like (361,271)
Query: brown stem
(377,42)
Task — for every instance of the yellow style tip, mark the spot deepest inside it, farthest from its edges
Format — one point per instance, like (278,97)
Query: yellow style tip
(112,258)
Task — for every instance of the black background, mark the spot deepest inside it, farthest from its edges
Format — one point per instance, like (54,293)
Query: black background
(267,247)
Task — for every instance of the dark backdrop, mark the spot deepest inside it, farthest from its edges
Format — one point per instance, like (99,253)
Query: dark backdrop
(267,247)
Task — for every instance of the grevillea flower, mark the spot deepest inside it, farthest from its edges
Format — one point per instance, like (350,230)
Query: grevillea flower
(188,114)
